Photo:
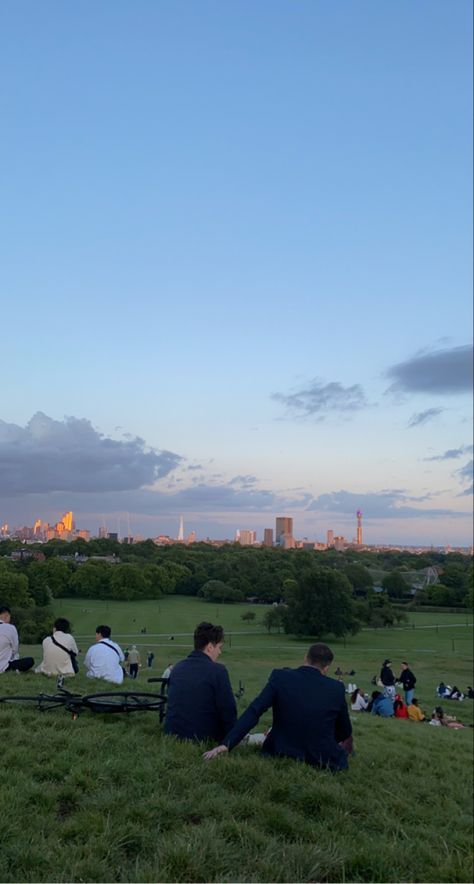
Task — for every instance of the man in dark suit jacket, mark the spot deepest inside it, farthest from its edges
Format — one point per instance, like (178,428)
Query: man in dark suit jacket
(310,716)
(201,704)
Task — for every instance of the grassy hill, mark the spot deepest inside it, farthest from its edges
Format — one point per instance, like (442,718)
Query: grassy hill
(108,798)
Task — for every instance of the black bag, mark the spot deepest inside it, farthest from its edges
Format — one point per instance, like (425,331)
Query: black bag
(72,654)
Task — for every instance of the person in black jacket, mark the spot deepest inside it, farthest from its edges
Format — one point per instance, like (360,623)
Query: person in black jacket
(201,704)
(408,681)
(310,716)
(388,680)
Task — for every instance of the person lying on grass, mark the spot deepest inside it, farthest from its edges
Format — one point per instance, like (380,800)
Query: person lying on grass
(310,716)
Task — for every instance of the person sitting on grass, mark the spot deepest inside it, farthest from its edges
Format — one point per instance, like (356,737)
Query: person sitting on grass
(310,716)
(358,701)
(381,705)
(57,650)
(455,694)
(414,711)
(104,658)
(10,660)
(399,707)
(447,720)
(201,703)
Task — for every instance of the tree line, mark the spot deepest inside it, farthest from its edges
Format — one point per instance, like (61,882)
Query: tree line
(340,586)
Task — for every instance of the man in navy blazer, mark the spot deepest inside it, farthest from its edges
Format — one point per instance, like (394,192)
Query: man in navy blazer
(201,704)
(310,716)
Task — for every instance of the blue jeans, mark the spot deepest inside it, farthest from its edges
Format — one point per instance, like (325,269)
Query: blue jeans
(409,696)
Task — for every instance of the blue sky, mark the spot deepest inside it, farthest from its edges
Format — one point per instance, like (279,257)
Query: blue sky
(236,265)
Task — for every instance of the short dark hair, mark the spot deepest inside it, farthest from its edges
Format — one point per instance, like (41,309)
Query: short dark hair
(205,633)
(104,631)
(4,609)
(62,624)
(319,655)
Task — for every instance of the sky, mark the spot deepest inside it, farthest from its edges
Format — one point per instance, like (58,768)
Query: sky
(236,266)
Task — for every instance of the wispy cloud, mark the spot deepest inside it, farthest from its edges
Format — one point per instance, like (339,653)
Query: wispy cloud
(70,455)
(318,399)
(385,504)
(422,417)
(441,372)
(465,474)
(452,453)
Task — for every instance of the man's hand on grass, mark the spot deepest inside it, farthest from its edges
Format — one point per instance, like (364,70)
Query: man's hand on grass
(213,753)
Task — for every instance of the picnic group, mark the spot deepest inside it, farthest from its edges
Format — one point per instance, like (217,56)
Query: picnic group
(310,713)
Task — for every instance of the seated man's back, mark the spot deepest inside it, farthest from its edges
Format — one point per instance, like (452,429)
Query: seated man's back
(201,704)
(103,659)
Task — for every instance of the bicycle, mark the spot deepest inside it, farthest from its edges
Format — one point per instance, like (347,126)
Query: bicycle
(106,701)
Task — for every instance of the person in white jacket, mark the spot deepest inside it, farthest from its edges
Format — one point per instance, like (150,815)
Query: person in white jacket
(57,649)
(358,701)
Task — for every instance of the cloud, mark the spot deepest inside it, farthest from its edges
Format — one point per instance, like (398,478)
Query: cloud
(452,453)
(465,474)
(441,372)
(385,504)
(422,417)
(70,455)
(320,399)
(244,481)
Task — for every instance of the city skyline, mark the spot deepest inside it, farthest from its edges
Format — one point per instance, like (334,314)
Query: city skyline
(237,267)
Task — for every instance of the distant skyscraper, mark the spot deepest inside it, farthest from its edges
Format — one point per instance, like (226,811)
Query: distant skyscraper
(102,532)
(268,537)
(283,526)
(68,521)
(181,530)
(359,528)
(247,538)
(330,538)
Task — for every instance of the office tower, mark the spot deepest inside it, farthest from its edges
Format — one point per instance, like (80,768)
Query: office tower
(330,538)
(112,535)
(287,541)
(181,530)
(268,537)
(68,521)
(283,525)
(102,532)
(359,528)
(191,537)
(340,543)
(247,537)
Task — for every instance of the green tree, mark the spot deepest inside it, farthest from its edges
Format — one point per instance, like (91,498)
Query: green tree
(14,589)
(360,577)
(91,580)
(274,618)
(395,585)
(248,616)
(128,582)
(321,604)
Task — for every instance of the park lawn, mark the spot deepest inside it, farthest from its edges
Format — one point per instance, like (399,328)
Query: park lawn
(109,798)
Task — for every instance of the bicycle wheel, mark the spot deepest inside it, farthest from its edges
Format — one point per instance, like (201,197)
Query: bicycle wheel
(124,701)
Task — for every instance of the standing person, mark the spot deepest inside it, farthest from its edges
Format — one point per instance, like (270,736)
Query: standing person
(104,658)
(310,717)
(388,680)
(149,659)
(408,681)
(201,704)
(134,661)
(58,649)
(167,671)
(10,659)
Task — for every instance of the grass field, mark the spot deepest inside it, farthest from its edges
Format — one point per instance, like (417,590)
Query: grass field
(108,798)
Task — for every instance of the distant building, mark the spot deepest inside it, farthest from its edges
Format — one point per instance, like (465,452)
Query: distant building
(268,537)
(283,528)
(287,541)
(112,535)
(330,538)
(102,532)
(340,543)
(247,537)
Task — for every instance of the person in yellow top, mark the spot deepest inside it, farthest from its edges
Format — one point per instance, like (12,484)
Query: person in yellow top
(414,711)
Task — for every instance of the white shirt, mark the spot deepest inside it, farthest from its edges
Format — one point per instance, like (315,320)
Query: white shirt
(8,644)
(103,662)
(360,704)
(56,661)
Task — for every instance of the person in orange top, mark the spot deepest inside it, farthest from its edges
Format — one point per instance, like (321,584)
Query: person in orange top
(414,711)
